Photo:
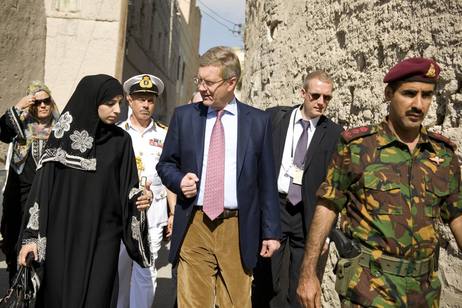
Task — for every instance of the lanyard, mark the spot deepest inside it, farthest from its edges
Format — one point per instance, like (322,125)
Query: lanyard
(293,133)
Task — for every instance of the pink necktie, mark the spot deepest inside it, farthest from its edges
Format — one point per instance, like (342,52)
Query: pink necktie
(214,192)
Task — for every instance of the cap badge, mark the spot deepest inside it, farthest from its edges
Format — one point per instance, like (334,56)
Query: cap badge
(431,71)
(146,82)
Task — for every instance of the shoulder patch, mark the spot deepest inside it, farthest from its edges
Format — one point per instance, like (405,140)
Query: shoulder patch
(357,132)
(161,125)
(444,139)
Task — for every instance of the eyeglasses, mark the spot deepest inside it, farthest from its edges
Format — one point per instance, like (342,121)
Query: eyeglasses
(316,96)
(46,101)
(198,81)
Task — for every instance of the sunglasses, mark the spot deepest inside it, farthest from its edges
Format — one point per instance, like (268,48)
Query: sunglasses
(316,96)
(46,101)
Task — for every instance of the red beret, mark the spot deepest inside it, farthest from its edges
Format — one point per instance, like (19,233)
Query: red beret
(414,69)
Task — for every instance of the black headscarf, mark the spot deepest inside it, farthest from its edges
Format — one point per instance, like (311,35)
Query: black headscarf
(72,142)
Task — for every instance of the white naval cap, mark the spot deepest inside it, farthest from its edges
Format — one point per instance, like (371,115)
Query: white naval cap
(144,83)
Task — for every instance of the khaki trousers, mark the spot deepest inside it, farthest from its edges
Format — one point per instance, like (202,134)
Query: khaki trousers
(210,271)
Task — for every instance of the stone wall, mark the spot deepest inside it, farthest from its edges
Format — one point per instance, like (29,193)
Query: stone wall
(357,42)
(22,50)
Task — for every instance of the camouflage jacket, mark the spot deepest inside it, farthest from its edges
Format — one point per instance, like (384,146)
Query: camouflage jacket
(392,198)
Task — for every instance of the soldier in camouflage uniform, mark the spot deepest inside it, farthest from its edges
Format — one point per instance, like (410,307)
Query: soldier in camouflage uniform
(392,182)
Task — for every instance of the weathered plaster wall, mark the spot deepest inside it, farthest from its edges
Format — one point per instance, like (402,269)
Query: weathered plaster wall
(22,49)
(83,38)
(357,42)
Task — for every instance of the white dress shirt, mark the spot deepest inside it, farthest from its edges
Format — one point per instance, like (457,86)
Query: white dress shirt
(294,131)
(147,145)
(229,121)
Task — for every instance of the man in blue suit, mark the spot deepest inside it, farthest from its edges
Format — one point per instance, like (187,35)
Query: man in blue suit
(217,158)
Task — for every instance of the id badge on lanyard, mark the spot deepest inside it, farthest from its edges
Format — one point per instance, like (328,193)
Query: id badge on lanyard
(296,174)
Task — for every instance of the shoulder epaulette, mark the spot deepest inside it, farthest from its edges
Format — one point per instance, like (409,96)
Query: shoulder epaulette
(357,132)
(444,139)
(161,125)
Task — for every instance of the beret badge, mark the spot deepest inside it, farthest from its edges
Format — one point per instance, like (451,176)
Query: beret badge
(431,73)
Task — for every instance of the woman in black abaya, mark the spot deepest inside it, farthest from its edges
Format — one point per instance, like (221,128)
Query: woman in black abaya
(84,201)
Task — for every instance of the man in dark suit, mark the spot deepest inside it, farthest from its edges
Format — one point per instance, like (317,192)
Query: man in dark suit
(303,142)
(217,158)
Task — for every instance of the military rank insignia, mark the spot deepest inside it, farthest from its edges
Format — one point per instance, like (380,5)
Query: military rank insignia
(156,142)
(356,132)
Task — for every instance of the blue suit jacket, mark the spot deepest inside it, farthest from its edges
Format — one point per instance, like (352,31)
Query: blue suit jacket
(257,194)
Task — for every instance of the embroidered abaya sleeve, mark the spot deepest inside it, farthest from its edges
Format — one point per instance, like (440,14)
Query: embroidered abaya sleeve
(135,224)
(36,212)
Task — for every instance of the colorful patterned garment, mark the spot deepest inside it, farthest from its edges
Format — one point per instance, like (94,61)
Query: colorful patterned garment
(30,134)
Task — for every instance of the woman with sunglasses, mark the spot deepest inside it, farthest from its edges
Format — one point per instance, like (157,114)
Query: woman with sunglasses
(26,126)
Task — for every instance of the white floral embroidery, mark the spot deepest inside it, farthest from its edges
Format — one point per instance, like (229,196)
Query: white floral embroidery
(88,164)
(28,241)
(136,231)
(41,248)
(35,279)
(41,243)
(60,155)
(82,141)
(33,223)
(136,226)
(63,124)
